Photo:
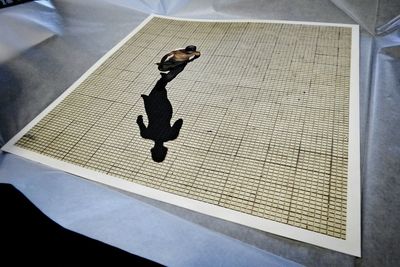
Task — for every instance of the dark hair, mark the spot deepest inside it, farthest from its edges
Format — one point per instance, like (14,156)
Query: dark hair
(191,48)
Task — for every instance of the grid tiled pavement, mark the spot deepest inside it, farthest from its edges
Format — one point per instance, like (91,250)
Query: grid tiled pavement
(265,114)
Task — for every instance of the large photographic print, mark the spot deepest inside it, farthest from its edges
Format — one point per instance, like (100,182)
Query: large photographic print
(248,121)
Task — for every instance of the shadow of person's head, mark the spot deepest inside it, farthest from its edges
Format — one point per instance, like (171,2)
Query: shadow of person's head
(159,152)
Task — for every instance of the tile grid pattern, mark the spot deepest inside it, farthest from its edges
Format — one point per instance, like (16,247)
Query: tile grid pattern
(265,114)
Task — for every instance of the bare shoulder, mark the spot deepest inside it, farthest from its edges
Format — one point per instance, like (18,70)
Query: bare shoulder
(179,51)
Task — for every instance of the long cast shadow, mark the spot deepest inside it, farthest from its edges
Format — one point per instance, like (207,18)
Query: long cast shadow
(159,113)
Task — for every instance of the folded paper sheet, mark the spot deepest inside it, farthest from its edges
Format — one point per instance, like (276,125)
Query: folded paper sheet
(269,115)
